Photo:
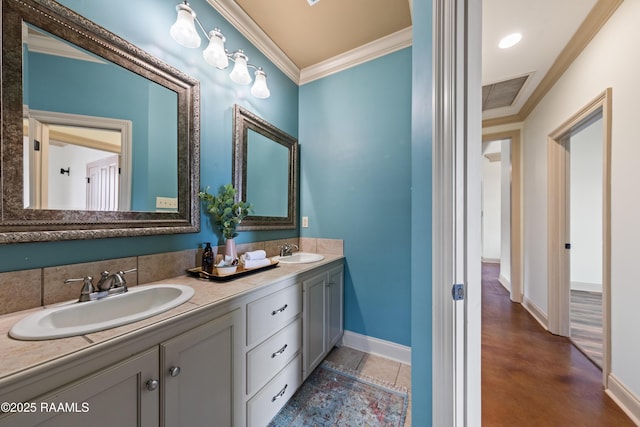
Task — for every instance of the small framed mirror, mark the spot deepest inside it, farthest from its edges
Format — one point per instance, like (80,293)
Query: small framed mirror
(265,172)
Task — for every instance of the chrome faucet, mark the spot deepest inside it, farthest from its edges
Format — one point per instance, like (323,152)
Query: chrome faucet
(109,284)
(287,249)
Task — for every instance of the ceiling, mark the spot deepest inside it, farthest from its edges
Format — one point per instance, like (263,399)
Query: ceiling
(309,36)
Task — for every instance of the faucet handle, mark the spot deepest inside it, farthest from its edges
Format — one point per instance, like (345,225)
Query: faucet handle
(87,287)
(121,280)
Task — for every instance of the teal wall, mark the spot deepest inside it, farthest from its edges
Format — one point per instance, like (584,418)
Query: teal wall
(421,208)
(355,150)
(146,24)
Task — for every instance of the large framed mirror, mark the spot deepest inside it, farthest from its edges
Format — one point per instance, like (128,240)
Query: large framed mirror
(99,138)
(265,172)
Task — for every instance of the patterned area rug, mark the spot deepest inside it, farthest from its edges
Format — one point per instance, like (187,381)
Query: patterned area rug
(334,396)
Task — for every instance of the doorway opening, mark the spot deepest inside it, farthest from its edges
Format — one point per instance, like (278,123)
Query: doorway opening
(510,244)
(573,236)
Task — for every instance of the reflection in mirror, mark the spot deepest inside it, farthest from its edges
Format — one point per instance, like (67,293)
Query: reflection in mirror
(265,170)
(67,82)
(267,167)
(96,149)
(62,73)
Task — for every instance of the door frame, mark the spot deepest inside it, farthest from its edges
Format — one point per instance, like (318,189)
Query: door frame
(515,208)
(558,226)
(457,132)
(38,118)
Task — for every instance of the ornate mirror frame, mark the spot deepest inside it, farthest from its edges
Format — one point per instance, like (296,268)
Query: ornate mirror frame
(35,225)
(243,121)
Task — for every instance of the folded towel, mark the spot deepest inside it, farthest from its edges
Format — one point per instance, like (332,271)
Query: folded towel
(255,263)
(259,254)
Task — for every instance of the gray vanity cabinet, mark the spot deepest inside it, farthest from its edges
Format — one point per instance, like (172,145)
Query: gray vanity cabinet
(323,315)
(116,396)
(198,374)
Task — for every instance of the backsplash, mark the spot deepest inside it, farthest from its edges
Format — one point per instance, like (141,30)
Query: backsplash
(25,289)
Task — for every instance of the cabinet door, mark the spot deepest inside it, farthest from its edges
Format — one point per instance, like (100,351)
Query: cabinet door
(314,337)
(198,374)
(116,396)
(335,292)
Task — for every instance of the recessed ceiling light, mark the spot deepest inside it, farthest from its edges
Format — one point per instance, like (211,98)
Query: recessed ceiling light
(312,2)
(510,40)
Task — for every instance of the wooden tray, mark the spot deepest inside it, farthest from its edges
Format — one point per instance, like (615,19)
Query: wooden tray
(241,271)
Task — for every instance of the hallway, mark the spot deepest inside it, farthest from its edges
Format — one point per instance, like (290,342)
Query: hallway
(531,377)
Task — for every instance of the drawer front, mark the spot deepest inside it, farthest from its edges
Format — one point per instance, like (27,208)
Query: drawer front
(268,314)
(266,404)
(266,360)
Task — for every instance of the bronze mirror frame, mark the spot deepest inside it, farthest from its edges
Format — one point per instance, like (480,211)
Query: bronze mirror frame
(33,225)
(243,120)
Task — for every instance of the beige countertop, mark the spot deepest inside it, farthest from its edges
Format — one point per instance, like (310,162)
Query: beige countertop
(18,356)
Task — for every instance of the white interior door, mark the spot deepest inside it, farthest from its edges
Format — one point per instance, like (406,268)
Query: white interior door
(102,184)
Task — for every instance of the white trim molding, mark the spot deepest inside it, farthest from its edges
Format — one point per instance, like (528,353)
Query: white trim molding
(367,52)
(536,312)
(387,349)
(624,398)
(238,18)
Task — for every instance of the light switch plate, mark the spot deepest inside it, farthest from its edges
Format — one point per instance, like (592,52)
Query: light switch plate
(305,222)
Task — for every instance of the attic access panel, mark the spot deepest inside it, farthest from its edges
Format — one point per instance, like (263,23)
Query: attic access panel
(502,94)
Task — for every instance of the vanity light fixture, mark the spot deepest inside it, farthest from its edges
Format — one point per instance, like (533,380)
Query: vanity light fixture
(185,33)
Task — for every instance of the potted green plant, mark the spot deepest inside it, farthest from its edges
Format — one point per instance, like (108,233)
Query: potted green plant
(227,213)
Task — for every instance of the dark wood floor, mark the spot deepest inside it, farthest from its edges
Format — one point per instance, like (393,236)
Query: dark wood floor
(531,377)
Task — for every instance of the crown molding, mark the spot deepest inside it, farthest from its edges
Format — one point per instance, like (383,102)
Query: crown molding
(592,24)
(237,17)
(375,49)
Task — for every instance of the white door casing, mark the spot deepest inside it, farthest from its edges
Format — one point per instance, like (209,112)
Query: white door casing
(456,211)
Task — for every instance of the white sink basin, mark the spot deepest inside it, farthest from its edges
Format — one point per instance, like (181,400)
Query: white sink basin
(80,318)
(299,258)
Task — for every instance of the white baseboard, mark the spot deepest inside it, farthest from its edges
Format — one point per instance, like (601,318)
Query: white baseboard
(505,283)
(491,260)
(390,350)
(626,400)
(535,311)
(587,287)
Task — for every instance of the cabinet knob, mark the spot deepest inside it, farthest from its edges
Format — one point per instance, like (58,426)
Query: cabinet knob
(174,371)
(152,385)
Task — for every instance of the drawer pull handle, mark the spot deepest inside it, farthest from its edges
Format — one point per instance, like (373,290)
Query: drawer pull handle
(279,395)
(152,385)
(174,371)
(280,310)
(279,352)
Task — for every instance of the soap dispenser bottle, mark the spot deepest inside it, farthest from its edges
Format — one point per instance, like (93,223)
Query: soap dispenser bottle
(207,259)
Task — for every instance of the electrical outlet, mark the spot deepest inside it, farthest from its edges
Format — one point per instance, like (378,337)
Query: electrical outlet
(166,203)
(305,222)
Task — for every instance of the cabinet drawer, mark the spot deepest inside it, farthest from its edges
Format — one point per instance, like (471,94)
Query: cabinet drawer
(266,404)
(268,314)
(266,360)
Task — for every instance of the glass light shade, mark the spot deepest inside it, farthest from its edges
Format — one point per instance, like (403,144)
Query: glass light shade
(240,73)
(184,30)
(259,88)
(215,54)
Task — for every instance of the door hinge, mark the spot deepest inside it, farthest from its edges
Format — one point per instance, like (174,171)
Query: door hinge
(88,180)
(457,292)
(36,145)
(567,245)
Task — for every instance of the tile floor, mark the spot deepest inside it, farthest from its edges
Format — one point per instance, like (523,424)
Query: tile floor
(378,367)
